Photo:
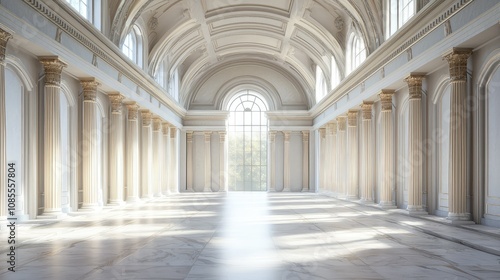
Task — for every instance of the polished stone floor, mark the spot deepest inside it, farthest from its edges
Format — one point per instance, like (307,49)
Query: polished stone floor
(242,236)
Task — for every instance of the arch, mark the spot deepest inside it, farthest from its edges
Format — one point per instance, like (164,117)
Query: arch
(18,67)
(261,86)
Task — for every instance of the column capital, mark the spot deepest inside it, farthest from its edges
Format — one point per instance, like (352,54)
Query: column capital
(457,60)
(386,99)
(352,118)
(173,132)
(116,100)
(164,128)
(331,128)
(4,39)
(189,136)
(146,117)
(341,123)
(156,123)
(366,108)
(133,110)
(272,135)
(52,66)
(222,136)
(286,135)
(414,81)
(89,87)
(322,132)
(305,135)
(208,136)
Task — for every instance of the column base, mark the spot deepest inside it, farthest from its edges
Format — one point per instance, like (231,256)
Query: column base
(416,210)
(386,205)
(352,197)
(366,201)
(459,218)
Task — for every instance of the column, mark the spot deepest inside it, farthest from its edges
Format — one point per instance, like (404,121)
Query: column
(116,150)
(457,175)
(52,136)
(132,153)
(146,154)
(328,159)
(286,161)
(367,162)
(305,160)
(4,38)
(157,157)
(341,158)
(189,160)
(174,166)
(322,158)
(208,165)
(387,150)
(90,176)
(166,158)
(272,161)
(352,156)
(415,155)
(333,157)
(222,162)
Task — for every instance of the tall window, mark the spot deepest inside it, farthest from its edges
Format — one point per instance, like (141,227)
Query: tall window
(88,9)
(356,52)
(160,75)
(173,85)
(247,140)
(321,89)
(334,74)
(132,46)
(400,11)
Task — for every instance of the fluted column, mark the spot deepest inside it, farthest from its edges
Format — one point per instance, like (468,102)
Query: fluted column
(146,154)
(189,160)
(387,150)
(174,167)
(157,157)
(222,161)
(415,155)
(333,156)
(341,156)
(328,158)
(116,150)
(352,157)
(367,162)
(322,158)
(305,160)
(272,161)
(166,158)
(457,176)
(90,176)
(286,161)
(133,153)
(4,38)
(208,165)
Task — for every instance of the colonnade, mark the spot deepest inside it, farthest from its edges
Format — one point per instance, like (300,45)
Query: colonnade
(348,167)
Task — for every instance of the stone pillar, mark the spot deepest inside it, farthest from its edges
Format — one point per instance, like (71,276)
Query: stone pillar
(146,154)
(133,153)
(341,158)
(352,156)
(387,150)
(305,160)
(222,162)
(367,162)
(116,150)
(90,176)
(457,176)
(157,157)
(4,38)
(166,159)
(333,157)
(286,161)
(322,158)
(208,161)
(189,160)
(174,166)
(272,161)
(328,159)
(415,155)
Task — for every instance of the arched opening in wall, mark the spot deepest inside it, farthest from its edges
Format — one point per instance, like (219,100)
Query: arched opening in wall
(247,140)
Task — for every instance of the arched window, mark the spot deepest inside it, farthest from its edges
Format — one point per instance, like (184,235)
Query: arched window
(399,12)
(247,140)
(334,74)
(173,85)
(88,9)
(321,89)
(356,52)
(160,76)
(132,46)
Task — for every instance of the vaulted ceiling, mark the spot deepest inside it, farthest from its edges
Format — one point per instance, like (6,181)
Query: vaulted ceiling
(199,36)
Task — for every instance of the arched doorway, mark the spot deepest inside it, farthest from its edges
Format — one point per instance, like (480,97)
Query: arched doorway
(247,140)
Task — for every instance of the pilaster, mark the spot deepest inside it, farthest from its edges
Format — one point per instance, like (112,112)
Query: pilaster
(272,163)
(367,161)
(208,165)
(352,149)
(305,160)
(157,157)
(286,161)
(133,170)
(146,155)
(116,150)
(387,152)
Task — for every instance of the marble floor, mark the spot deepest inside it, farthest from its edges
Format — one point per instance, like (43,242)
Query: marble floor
(241,236)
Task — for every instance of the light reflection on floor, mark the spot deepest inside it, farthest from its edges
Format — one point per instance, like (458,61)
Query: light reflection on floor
(241,236)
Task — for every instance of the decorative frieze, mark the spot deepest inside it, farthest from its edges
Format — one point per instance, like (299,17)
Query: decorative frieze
(352,118)
(133,110)
(457,60)
(414,82)
(146,117)
(4,39)
(386,99)
(366,108)
(53,67)
(116,101)
(89,87)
